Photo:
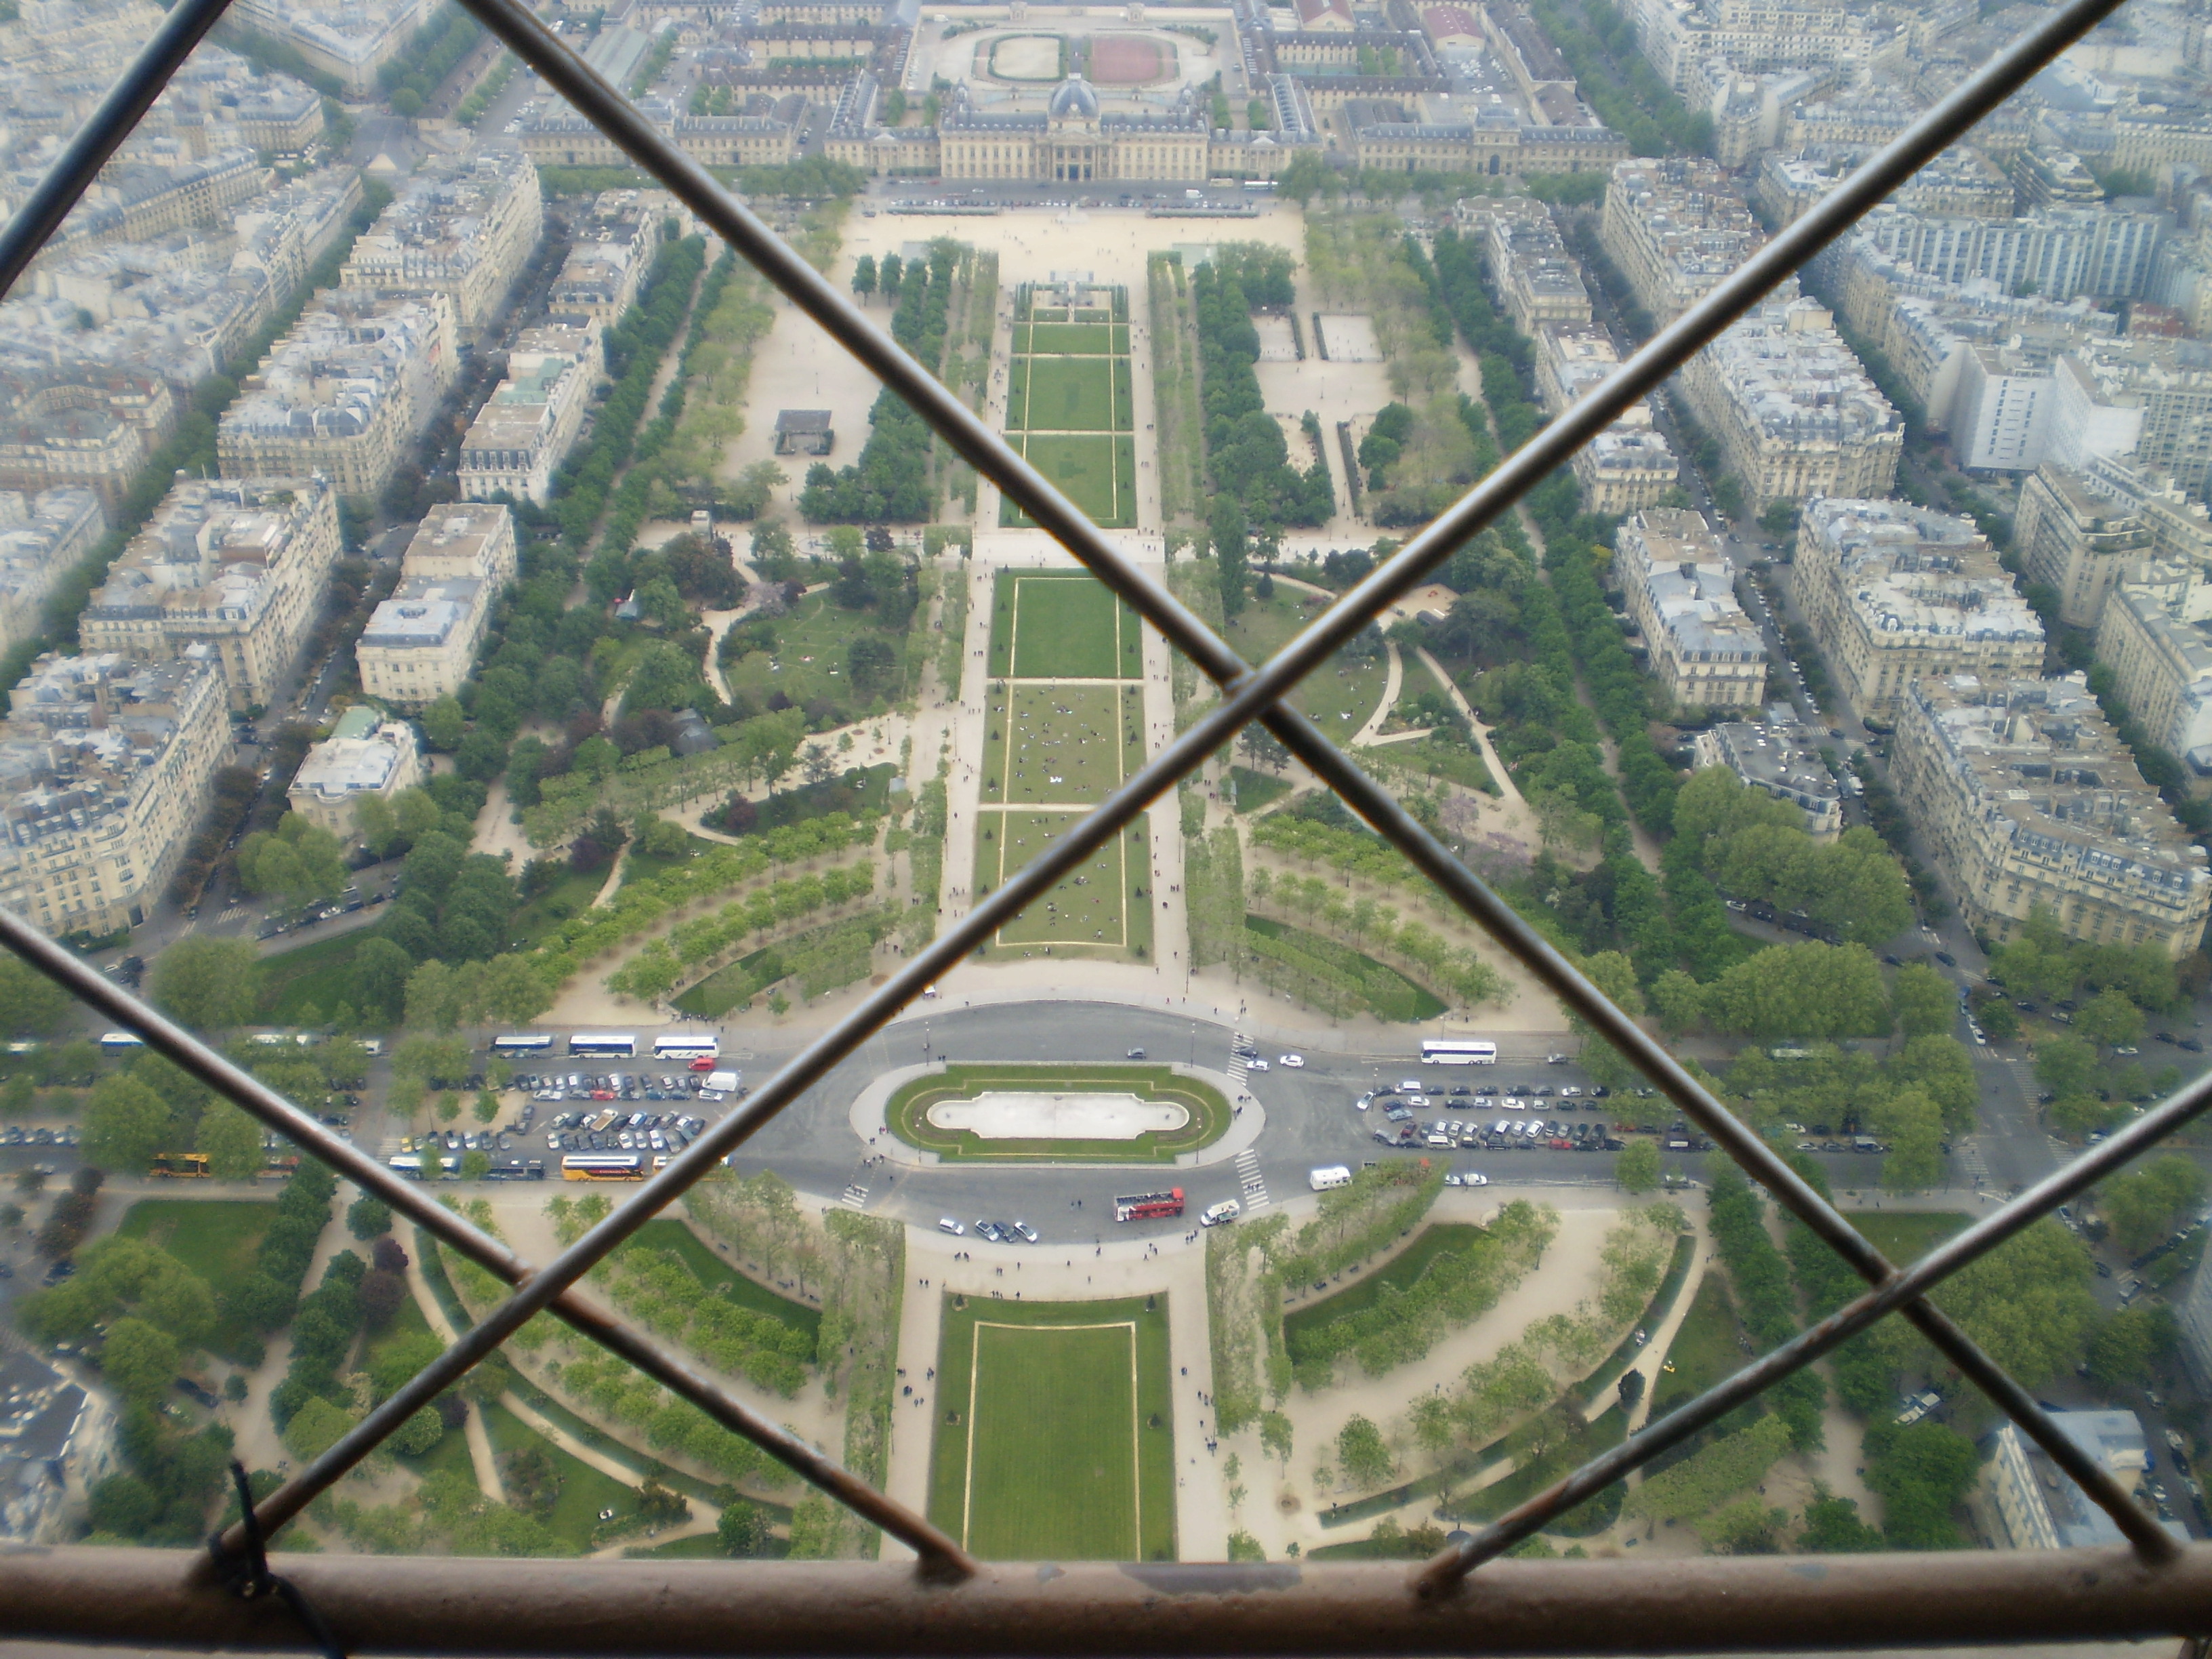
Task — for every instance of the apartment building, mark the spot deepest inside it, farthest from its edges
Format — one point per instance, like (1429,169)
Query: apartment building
(1794,413)
(558,137)
(474,542)
(42,538)
(1539,281)
(525,428)
(1961,182)
(133,202)
(420,642)
(1780,758)
(240,567)
(464,228)
(350,41)
(84,428)
(1894,592)
(2026,799)
(364,756)
(106,766)
(2054,252)
(344,392)
(1629,465)
(1675,227)
(1681,589)
(2076,540)
(2155,635)
(2041,1506)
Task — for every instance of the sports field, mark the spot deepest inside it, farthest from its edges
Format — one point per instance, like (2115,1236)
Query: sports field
(1103,906)
(1068,745)
(907,1114)
(1062,625)
(1054,1432)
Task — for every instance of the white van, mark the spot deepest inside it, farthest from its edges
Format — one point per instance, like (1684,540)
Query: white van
(1215,1215)
(722,1083)
(1329,1177)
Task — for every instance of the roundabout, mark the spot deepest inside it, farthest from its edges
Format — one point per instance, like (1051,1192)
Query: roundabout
(1057,1114)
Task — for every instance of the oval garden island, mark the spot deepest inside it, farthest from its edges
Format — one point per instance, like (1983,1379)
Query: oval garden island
(1058,1113)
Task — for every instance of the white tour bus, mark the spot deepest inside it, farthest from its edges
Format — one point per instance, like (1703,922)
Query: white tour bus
(1458,1051)
(686,1045)
(605,1045)
(517,1045)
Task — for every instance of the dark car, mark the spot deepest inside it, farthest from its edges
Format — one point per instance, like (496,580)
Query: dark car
(1947,959)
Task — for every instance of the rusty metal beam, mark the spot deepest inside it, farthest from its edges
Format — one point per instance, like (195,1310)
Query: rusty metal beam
(382,1604)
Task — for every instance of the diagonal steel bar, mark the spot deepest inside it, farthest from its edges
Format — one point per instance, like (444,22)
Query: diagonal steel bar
(1443,1572)
(65,183)
(1244,698)
(165,1037)
(1760,1161)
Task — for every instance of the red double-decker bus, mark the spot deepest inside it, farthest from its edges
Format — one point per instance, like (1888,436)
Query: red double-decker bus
(1143,1207)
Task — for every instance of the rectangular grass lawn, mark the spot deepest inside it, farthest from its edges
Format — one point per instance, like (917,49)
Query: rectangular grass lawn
(1064,394)
(1046,1444)
(1055,625)
(1099,473)
(1071,339)
(216,1238)
(1093,914)
(1060,744)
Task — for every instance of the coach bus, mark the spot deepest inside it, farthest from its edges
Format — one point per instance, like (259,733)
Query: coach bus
(522,1045)
(120,1043)
(181,1165)
(1458,1051)
(603,1166)
(603,1045)
(686,1045)
(516,1168)
(1143,1206)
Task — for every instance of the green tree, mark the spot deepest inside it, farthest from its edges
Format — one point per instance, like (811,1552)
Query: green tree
(475,1165)
(2066,1065)
(420,1433)
(1908,1120)
(444,724)
(210,984)
(315,1428)
(1833,1527)
(2133,1346)
(2028,1303)
(139,1359)
(125,1125)
(864,282)
(369,1218)
(299,863)
(1637,1169)
(2111,1018)
(1941,1068)
(742,1529)
(1922,1000)
(1362,1456)
(2143,1205)
(232,1141)
(31,1004)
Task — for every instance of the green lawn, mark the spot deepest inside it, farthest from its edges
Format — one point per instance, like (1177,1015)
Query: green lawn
(309,978)
(1096,472)
(907,1113)
(1256,789)
(1044,339)
(734,984)
(809,661)
(1453,762)
(1055,1437)
(642,867)
(584,1491)
(1062,625)
(1389,994)
(1399,1273)
(723,1278)
(1098,907)
(1341,693)
(700,1547)
(571,895)
(1592,1515)
(1068,745)
(1706,1347)
(1905,1236)
(216,1238)
(1069,394)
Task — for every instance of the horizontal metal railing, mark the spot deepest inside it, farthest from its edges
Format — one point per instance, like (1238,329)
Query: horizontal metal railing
(1211,1610)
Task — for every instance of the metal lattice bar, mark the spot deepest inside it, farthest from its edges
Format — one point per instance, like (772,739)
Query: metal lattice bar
(1248,695)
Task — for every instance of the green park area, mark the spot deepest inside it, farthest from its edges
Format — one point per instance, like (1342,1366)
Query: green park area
(907,1114)
(720,1278)
(1062,625)
(1104,905)
(1062,745)
(1093,339)
(1054,1434)
(1069,394)
(1339,694)
(1097,472)
(807,655)
(216,1238)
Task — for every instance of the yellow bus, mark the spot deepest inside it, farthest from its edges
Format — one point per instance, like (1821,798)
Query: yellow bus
(603,1166)
(181,1165)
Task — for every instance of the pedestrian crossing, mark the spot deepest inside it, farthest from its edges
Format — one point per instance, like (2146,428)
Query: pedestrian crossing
(854,1197)
(1253,1184)
(1973,1167)
(1236,1069)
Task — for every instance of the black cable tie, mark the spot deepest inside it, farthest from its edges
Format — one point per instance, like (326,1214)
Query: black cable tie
(248,1576)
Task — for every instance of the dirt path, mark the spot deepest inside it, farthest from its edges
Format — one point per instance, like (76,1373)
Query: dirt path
(480,1452)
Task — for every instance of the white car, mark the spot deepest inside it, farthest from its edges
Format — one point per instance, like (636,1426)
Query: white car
(1219,1214)
(1470,1179)
(1363,1101)
(1293,1061)
(1255,1065)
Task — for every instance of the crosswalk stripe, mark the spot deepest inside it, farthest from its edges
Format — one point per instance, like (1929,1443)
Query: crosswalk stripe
(1250,1179)
(854,1198)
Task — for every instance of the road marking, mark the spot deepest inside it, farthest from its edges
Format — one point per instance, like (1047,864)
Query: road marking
(1249,1177)
(854,1197)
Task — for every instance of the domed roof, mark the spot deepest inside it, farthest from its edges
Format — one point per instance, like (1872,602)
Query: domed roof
(1073,97)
